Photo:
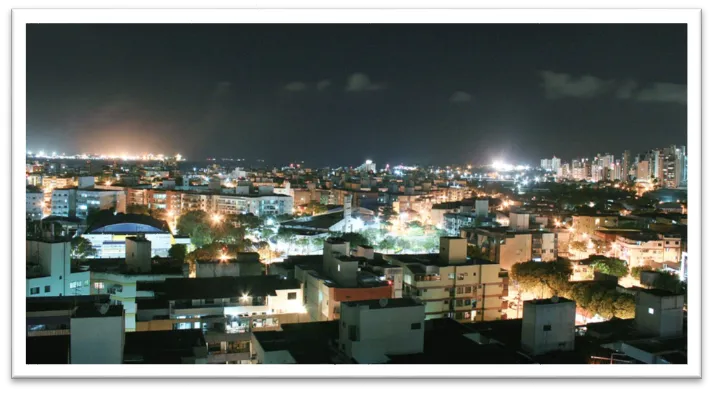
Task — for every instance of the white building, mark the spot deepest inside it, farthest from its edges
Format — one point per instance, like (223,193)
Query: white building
(96,199)
(548,325)
(371,330)
(640,250)
(34,203)
(64,202)
(259,205)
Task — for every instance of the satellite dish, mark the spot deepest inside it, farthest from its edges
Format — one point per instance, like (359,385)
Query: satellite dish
(383,302)
(555,299)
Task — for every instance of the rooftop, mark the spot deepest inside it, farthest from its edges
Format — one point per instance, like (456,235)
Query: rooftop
(385,303)
(308,343)
(552,300)
(222,287)
(121,218)
(162,346)
(55,303)
(93,311)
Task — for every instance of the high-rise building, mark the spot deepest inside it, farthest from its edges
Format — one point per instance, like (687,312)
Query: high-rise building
(626,165)
(642,170)
(550,165)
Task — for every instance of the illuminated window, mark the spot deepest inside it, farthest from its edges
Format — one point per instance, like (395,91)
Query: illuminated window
(99,285)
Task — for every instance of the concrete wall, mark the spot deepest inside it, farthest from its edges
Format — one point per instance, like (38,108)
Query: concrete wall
(97,340)
(516,249)
(381,331)
(661,316)
(453,250)
(548,327)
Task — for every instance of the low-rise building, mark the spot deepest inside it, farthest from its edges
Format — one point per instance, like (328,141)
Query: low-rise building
(108,235)
(226,309)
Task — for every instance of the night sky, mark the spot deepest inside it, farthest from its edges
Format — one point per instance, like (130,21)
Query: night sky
(339,94)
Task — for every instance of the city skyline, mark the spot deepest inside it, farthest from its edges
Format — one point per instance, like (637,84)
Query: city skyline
(448,93)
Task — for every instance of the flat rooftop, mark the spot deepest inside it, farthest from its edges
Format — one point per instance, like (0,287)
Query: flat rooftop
(222,287)
(92,311)
(385,303)
(56,303)
(552,300)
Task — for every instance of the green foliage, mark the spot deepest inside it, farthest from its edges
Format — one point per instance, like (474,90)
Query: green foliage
(544,278)
(636,271)
(201,235)
(670,282)
(475,252)
(137,209)
(190,220)
(315,208)
(387,212)
(355,239)
(82,248)
(178,252)
(96,215)
(612,266)
(388,244)
(601,299)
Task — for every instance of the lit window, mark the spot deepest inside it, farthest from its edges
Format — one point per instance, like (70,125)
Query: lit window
(98,285)
(651,311)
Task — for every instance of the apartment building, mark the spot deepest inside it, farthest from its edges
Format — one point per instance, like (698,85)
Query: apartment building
(34,204)
(64,202)
(657,250)
(506,246)
(226,309)
(588,224)
(453,286)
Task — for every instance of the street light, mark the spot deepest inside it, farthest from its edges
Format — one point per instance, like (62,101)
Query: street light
(216,218)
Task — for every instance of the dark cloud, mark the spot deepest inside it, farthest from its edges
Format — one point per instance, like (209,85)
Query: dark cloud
(296,86)
(663,92)
(561,85)
(323,84)
(359,82)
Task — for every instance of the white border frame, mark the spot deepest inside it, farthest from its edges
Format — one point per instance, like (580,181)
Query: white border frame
(692,17)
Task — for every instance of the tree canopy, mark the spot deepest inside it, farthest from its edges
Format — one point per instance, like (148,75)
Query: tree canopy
(81,248)
(612,266)
(178,252)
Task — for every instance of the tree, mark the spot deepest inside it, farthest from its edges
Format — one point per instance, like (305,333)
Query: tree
(96,215)
(544,278)
(201,235)
(387,212)
(137,209)
(178,252)
(636,271)
(81,248)
(475,252)
(387,244)
(578,246)
(355,239)
(612,266)
(601,246)
(190,220)
(317,243)
(315,208)
(669,282)
(625,306)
